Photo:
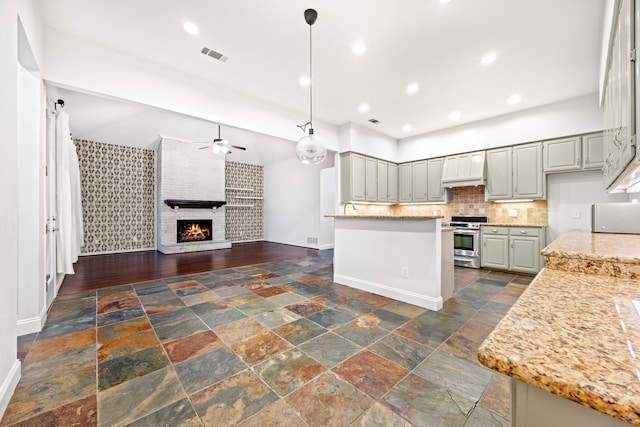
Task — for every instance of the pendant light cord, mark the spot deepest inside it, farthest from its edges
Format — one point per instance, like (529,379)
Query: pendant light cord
(310,82)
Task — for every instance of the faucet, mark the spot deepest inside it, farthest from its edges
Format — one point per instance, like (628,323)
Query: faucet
(345,207)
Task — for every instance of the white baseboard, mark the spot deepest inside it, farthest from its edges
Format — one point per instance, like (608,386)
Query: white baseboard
(31,325)
(423,301)
(8,386)
(325,246)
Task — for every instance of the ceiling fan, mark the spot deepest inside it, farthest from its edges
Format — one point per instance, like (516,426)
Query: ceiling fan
(220,145)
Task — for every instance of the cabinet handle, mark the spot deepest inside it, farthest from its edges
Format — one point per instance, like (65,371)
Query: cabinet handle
(494,230)
(523,232)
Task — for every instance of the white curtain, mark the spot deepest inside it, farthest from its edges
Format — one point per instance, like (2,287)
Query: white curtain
(68,198)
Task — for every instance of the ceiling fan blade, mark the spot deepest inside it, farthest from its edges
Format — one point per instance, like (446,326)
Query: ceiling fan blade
(238,147)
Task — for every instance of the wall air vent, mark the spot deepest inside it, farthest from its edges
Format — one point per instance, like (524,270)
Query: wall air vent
(215,55)
(374,120)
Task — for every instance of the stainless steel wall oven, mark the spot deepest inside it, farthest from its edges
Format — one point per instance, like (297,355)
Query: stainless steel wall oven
(466,239)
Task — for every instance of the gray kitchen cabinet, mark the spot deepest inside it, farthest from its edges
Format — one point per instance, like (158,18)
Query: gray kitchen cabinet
(371,179)
(352,182)
(562,155)
(463,170)
(383,180)
(593,151)
(495,248)
(405,181)
(392,183)
(512,248)
(419,180)
(435,191)
(528,178)
(499,174)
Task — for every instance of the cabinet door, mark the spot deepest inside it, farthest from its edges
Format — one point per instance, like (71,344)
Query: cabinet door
(593,151)
(358,187)
(499,174)
(528,179)
(524,254)
(495,252)
(404,189)
(420,181)
(383,181)
(562,155)
(392,183)
(371,180)
(435,191)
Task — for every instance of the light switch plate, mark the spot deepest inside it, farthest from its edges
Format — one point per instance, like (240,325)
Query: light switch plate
(513,213)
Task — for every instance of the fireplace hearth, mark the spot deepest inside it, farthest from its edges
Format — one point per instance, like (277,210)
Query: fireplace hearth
(194,230)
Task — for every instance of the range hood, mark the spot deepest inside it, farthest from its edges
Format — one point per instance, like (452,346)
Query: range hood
(464,170)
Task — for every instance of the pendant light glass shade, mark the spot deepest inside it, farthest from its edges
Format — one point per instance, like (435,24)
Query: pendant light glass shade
(310,150)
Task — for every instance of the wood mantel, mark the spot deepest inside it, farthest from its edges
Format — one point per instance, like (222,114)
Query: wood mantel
(194,204)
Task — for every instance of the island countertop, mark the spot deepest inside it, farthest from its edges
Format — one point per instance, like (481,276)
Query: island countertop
(386,216)
(575,331)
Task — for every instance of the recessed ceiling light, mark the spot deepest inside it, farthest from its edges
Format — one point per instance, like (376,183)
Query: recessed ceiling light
(407,127)
(304,81)
(514,99)
(359,48)
(363,108)
(191,28)
(454,115)
(489,58)
(413,88)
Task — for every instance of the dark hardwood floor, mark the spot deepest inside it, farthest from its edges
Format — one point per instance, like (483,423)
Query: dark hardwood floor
(102,271)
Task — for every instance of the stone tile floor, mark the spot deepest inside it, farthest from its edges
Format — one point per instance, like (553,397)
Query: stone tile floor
(274,344)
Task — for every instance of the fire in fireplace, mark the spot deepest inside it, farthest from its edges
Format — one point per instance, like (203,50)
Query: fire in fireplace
(194,230)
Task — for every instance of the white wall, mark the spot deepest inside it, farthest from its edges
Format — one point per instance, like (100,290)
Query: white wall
(573,193)
(9,364)
(31,280)
(328,202)
(77,64)
(578,115)
(292,209)
(360,139)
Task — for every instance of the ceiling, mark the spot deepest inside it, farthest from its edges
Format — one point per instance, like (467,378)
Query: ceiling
(546,51)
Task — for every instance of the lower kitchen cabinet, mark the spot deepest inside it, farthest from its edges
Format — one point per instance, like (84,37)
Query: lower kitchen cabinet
(512,248)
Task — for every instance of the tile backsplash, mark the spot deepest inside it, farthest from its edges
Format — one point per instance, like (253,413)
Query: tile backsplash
(467,201)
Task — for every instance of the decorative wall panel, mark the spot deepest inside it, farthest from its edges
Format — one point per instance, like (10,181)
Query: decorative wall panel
(118,203)
(245,208)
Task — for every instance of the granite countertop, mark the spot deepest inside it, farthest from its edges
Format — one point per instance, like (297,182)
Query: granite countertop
(448,229)
(501,224)
(576,333)
(386,216)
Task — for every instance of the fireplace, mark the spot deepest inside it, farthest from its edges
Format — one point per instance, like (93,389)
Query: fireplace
(194,230)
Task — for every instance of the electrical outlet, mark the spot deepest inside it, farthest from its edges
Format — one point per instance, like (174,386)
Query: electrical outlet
(576,214)
(513,213)
(405,272)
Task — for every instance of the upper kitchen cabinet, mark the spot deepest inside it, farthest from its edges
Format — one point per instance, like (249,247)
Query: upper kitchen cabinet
(353,177)
(562,155)
(419,179)
(463,170)
(387,182)
(435,191)
(621,156)
(515,173)
(528,178)
(593,151)
(405,183)
(499,174)
(371,180)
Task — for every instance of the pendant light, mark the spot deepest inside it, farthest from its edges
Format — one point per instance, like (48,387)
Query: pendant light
(310,149)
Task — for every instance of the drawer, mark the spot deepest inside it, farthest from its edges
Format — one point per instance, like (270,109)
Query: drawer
(525,231)
(498,231)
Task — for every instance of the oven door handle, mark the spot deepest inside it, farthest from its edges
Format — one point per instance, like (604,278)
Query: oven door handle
(466,232)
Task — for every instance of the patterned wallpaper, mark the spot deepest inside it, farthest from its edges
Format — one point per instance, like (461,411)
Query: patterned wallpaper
(244,211)
(117,197)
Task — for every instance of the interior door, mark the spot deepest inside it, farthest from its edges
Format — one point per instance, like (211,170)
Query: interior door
(51,276)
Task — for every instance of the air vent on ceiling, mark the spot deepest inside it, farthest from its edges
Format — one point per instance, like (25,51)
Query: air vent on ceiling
(215,55)
(374,120)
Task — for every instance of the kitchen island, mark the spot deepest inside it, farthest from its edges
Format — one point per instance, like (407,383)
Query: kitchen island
(400,257)
(571,343)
